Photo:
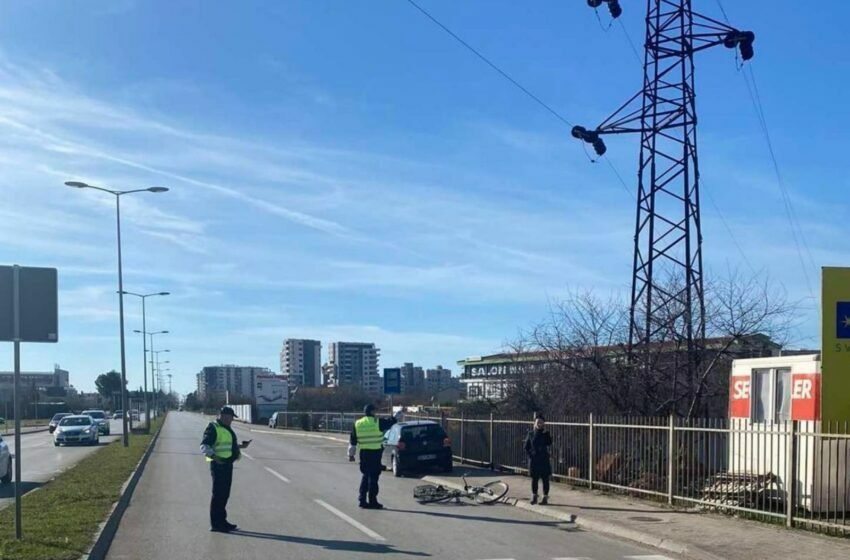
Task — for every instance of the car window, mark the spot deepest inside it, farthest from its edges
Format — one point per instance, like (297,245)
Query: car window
(392,435)
(95,414)
(427,431)
(59,416)
(75,421)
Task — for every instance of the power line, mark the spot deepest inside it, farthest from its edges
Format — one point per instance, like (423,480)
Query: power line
(491,64)
(799,238)
(728,229)
(629,38)
(723,11)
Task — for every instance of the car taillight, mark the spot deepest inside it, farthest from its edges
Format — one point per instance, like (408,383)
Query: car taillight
(447,442)
(401,445)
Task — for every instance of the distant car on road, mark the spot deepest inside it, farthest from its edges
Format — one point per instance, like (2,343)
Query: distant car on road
(5,463)
(412,445)
(51,427)
(99,417)
(117,414)
(77,429)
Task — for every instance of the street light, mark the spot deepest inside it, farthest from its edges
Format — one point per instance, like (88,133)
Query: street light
(155,362)
(145,351)
(151,334)
(117,195)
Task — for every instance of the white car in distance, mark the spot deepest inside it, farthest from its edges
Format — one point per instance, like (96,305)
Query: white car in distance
(5,463)
(76,429)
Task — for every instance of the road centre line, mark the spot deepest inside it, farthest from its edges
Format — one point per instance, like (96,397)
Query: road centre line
(277,474)
(245,454)
(350,521)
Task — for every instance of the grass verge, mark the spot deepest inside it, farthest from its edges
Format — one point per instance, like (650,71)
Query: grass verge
(61,519)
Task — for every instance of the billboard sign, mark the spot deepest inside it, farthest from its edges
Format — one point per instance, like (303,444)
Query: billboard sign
(835,354)
(392,381)
(271,390)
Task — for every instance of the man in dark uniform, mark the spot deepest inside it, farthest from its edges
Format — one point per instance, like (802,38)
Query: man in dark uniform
(221,449)
(368,433)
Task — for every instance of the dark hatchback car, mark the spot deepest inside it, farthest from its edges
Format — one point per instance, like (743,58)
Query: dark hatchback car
(410,446)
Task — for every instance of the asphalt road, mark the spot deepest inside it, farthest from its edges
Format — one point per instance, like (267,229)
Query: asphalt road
(41,461)
(295,497)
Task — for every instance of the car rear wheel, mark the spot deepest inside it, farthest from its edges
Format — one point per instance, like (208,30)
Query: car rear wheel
(7,478)
(396,467)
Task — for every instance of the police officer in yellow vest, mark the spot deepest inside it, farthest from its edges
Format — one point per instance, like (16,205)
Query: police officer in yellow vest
(221,450)
(368,434)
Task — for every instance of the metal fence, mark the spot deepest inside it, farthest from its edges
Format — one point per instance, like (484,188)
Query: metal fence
(335,422)
(792,473)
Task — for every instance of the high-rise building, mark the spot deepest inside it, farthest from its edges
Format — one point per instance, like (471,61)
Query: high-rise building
(215,381)
(412,379)
(438,379)
(301,362)
(353,363)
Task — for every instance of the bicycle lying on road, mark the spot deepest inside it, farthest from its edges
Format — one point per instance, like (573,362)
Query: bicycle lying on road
(488,494)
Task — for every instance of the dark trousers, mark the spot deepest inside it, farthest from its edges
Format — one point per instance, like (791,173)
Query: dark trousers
(222,478)
(538,477)
(370,466)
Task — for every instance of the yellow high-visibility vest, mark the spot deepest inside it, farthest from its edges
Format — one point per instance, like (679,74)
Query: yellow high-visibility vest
(223,447)
(369,435)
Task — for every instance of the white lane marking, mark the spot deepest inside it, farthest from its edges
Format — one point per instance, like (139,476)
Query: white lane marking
(648,557)
(277,474)
(296,434)
(245,454)
(573,558)
(350,521)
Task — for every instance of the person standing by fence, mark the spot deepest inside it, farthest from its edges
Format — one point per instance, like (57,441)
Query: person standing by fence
(537,444)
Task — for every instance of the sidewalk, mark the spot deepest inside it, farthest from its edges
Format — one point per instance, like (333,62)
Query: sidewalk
(695,535)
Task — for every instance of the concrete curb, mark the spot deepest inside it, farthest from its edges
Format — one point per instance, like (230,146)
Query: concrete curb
(25,431)
(601,527)
(108,529)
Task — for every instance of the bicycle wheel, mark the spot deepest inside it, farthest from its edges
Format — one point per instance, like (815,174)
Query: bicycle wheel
(491,492)
(429,493)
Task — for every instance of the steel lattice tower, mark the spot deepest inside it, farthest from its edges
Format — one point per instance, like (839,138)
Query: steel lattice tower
(667,298)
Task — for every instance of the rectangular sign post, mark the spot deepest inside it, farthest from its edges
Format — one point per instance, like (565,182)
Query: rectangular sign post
(835,355)
(392,381)
(28,313)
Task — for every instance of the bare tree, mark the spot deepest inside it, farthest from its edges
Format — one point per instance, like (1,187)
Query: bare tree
(577,360)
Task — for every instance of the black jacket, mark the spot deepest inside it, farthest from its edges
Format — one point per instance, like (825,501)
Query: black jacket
(384,424)
(210,437)
(537,445)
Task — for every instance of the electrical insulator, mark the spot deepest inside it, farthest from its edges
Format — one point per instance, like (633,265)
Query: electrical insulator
(591,137)
(613,6)
(743,40)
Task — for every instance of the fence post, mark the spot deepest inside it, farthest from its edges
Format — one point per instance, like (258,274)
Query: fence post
(590,452)
(671,456)
(790,472)
(327,426)
(310,421)
(491,442)
(462,425)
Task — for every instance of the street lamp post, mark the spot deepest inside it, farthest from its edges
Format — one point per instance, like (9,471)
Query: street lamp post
(151,334)
(145,352)
(159,369)
(117,195)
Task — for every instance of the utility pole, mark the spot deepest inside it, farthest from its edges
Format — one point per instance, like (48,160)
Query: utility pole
(667,298)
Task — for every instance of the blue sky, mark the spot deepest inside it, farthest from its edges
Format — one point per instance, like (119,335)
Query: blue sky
(345,171)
